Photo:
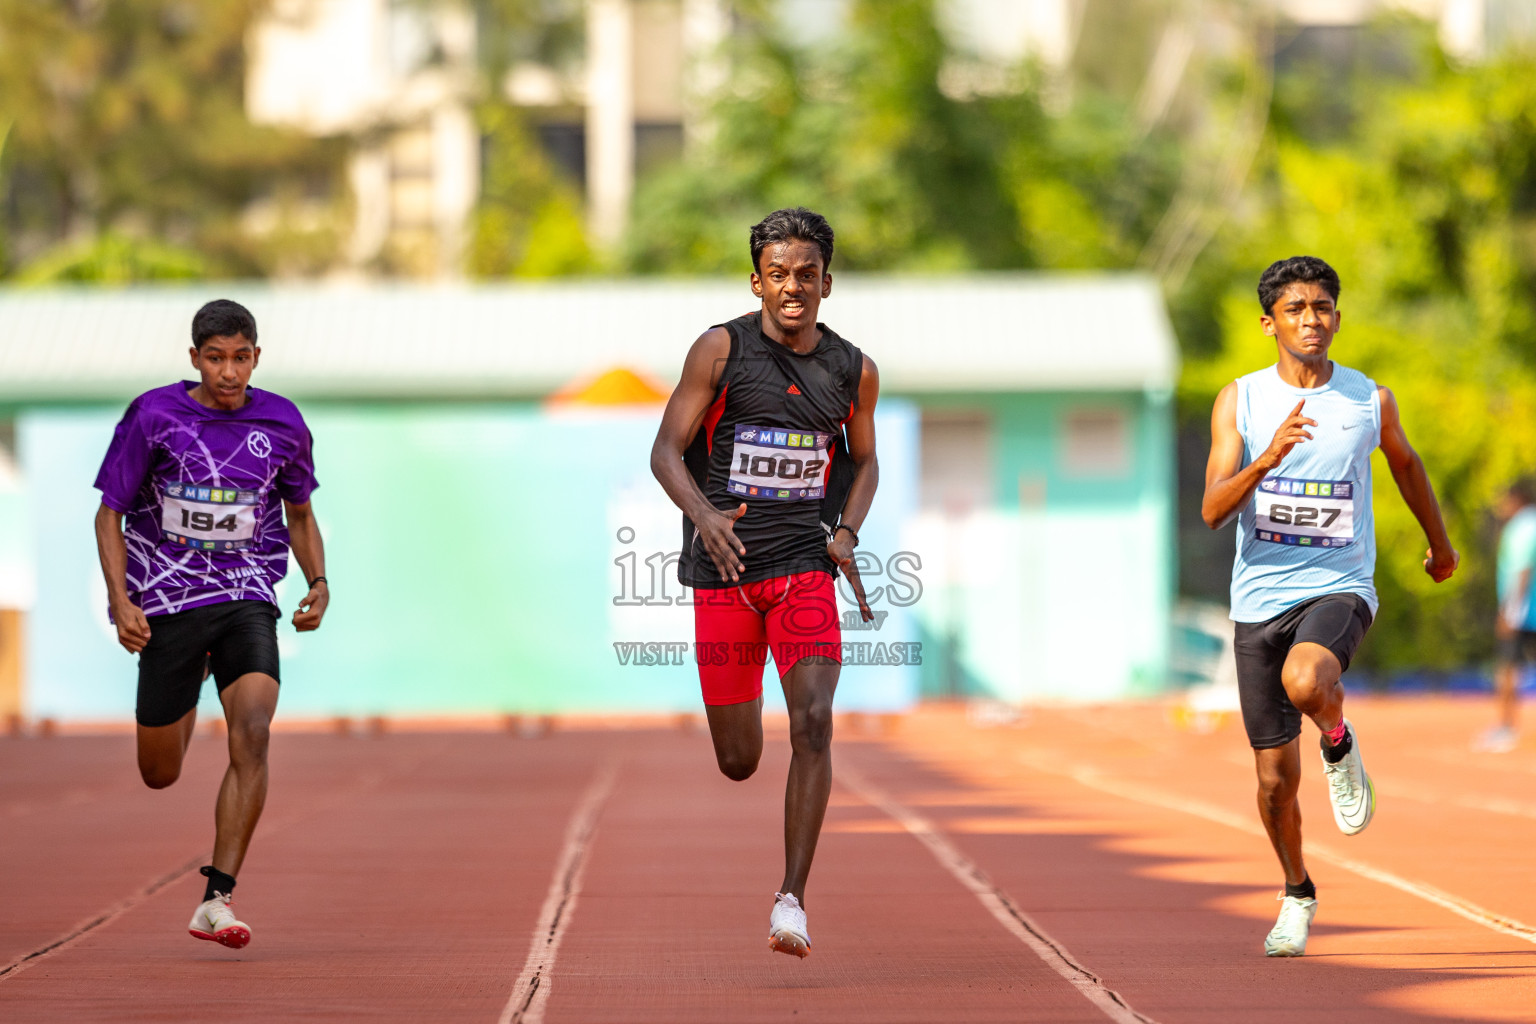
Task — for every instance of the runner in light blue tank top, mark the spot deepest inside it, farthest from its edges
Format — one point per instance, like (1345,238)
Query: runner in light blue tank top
(1291,463)
(1309,530)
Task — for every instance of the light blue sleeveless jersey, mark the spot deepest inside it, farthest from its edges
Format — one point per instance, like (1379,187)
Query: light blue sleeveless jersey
(1308,530)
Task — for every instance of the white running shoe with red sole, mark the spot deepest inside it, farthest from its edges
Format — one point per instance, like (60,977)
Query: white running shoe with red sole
(215,921)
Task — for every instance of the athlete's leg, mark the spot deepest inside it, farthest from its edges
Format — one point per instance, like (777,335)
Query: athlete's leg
(1506,681)
(731,646)
(162,749)
(1311,678)
(808,690)
(249,704)
(1279,771)
(737,732)
(804,633)
(171,671)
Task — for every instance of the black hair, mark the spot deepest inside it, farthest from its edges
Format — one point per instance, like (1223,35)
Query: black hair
(1523,491)
(222,318)
(799,224)
(1309,269)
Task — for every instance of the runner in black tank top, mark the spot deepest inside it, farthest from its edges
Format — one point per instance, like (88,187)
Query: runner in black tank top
(773,440)
(768,447)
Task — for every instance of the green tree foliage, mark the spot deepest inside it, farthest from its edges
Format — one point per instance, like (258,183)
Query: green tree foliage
(112,259)
(922,156)
(1419,186)
(528,221)
(128,138)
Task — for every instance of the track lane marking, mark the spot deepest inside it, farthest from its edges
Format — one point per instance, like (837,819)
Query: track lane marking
(530,993)
(1143,794)
(364,783)
(101,920)
(1400,790)
(998,903)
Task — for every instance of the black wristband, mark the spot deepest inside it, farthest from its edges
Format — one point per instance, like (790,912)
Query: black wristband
(845,526)
(318,579)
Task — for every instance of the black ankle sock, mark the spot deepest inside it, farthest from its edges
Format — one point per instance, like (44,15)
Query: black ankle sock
(218,881)
(1305,891)
(1335,753)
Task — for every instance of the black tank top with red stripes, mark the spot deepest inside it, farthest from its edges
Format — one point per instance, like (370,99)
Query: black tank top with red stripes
(773,439)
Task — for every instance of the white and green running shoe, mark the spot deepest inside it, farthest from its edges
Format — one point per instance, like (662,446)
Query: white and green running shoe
(1349,788)
(1289,935)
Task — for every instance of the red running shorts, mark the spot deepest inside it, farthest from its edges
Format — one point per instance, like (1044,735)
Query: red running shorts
(735,627)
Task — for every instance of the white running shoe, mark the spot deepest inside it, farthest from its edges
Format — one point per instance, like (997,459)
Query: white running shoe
(1501,739)
(786,927)
(215,921)
(1289,935)
(1349,788)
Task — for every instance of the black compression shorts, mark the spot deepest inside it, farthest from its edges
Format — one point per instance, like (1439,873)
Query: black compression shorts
(238,637)
(1336,621)
(1519,648)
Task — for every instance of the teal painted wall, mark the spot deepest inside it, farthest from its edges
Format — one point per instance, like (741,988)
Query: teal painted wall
(1063,588)
(472,552)
(478,549)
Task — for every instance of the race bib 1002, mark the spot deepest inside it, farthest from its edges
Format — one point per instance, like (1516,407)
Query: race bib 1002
(1309,513)
(208,518)
(782,465)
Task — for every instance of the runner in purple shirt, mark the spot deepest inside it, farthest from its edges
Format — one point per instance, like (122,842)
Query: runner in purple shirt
(194,491)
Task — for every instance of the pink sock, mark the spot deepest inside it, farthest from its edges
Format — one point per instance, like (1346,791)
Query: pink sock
(1336,734)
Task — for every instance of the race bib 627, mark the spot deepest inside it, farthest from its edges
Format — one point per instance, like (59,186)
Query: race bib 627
(1309,513)
(208,518)
(783,465)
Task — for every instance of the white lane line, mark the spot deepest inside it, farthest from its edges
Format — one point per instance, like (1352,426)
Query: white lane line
(366,783)
(1497,805)
(101,920)
(1139,793)
(1001,906)
(1399,790)
(530,993)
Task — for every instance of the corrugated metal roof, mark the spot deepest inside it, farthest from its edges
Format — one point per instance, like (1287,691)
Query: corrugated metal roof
(1005,332)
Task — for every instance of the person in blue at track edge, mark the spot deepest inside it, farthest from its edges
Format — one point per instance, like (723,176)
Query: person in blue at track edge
(1515,626)
(768,447)
(1290,460)
(195,489)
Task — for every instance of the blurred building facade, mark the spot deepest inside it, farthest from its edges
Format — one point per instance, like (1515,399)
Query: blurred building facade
(398,79)
(401,79)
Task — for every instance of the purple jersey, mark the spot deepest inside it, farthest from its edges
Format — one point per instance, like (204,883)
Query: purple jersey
(199,489)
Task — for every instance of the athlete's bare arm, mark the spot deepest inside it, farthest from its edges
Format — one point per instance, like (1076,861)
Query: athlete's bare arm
(1228,483)
(861,449)
(679,423)
(309,552)
(1441,559)
(132,626)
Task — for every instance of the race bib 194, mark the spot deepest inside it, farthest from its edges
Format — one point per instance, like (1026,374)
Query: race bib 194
(1310,513)
(783,465)
(208,518)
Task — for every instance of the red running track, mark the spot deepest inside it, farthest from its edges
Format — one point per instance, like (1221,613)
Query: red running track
(1079,865)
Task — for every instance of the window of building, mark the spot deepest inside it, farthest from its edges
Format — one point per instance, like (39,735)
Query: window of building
(956,465)
(1096,442)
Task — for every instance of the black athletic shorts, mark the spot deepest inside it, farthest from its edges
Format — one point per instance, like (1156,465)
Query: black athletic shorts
(1518,648)
(237,637)
(1336,621)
